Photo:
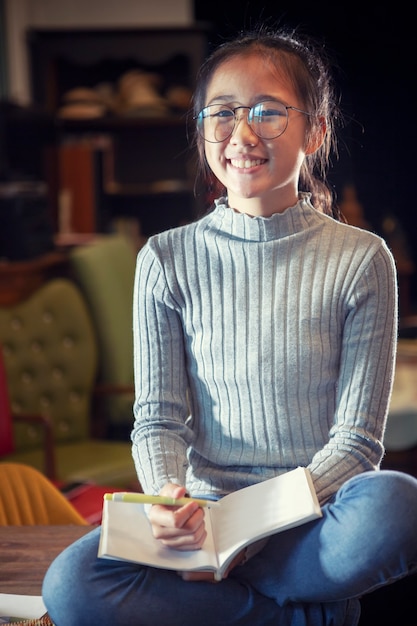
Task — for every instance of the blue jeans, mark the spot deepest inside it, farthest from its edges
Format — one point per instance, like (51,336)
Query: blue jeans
(306,576)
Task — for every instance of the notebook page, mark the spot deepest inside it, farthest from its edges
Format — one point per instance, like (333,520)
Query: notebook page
(127,535)
(260,510)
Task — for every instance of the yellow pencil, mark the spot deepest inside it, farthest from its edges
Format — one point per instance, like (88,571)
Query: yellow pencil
(143,498)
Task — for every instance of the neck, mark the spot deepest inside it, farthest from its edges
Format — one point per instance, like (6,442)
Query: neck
(262,206)
(258,207)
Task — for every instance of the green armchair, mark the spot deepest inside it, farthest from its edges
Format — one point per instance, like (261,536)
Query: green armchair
(104,271)
(50,356)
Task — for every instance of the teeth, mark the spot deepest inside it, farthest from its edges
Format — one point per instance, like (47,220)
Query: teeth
(245,163)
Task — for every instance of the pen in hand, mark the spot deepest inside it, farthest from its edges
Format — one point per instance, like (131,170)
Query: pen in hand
(143,498)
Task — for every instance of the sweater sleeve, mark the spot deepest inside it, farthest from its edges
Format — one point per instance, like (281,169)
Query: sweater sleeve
(365,378)
(160,436)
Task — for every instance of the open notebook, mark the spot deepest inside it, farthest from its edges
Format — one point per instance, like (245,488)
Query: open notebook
(238,520)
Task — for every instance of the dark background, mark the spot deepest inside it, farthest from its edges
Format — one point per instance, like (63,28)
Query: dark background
(374,51)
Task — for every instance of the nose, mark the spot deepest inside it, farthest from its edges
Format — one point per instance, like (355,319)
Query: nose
(242,131)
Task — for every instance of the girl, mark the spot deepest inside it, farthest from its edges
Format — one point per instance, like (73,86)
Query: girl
(265,337)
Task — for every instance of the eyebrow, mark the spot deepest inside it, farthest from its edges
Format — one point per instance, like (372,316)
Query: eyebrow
(259,98)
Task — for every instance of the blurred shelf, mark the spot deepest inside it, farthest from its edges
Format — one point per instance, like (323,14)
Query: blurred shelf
(112,123)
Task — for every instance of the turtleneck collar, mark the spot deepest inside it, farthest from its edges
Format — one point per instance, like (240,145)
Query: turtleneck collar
(242,226)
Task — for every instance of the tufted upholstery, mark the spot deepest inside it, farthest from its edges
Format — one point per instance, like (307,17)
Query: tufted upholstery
(50,357)
(48,348)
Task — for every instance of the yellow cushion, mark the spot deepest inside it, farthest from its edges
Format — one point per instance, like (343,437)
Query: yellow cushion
(27,497)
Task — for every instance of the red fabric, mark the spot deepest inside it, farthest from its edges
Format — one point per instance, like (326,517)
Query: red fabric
(89,502)
(86,498)
(6,432)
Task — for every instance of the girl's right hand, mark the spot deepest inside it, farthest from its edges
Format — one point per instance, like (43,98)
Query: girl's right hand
(180,528)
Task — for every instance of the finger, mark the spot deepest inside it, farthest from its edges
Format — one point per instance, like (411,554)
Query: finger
(184,519)
(192,541)
(173,491)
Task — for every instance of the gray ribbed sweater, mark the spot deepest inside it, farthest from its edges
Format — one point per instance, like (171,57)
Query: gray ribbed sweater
(261,344)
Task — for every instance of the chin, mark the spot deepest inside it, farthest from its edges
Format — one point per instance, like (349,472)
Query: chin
(245,192)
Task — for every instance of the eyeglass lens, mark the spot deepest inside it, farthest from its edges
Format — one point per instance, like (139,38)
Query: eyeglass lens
(267,119)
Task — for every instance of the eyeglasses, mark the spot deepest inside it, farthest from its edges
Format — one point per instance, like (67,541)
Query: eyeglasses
(268,120)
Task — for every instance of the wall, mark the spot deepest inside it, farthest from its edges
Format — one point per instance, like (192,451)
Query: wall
(23,14)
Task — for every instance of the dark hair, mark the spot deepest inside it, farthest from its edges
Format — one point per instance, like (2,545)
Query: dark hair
(308,68)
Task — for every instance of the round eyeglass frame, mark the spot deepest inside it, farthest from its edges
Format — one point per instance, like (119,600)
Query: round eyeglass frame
(200,117)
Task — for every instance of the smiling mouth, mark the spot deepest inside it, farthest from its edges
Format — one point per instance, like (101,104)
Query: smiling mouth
(242,164)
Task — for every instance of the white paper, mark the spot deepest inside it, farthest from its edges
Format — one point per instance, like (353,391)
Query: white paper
(25,607)
(278,503)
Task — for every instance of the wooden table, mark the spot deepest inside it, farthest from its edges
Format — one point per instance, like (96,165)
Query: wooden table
(27,551)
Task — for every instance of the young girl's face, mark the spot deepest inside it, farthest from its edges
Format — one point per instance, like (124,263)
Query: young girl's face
(260,175)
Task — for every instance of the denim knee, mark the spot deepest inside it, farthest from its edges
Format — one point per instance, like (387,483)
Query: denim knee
(64,591)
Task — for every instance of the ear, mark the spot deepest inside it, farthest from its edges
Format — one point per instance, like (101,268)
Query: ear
(316,136)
